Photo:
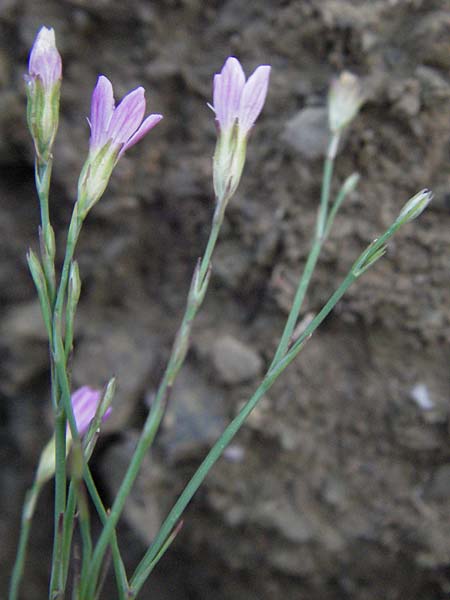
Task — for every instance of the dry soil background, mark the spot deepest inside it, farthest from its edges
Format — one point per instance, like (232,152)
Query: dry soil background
(339,486)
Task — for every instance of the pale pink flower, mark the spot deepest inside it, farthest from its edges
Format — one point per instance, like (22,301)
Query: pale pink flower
(237,100)
(85,402)
(122,125)
(114,129)
(237,104)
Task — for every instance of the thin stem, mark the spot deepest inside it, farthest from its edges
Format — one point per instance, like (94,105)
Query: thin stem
(298,301)
(149,561)
(63,411)
(197,292)
(69,518)
(25,527)
(314,253)
(60,501)
(119,568)
(85,528)
(43,171)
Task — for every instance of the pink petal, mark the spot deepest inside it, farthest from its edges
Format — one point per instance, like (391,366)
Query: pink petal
(253,98)
(127,117)
(102,108)
(45,60)
(84,404)
(147,124)
(227,92)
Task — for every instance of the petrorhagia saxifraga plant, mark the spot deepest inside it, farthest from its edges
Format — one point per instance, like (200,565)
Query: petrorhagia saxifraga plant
(237,104)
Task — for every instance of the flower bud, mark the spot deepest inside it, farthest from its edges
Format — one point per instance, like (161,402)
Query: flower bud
(415,206)
(345,98)
(43,91)
(85,402)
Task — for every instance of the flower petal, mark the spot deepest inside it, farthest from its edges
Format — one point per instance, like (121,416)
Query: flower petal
(227,92)
(145,127)
(253,98)
(102,109)
(45,60)
(84,404)
(127,117)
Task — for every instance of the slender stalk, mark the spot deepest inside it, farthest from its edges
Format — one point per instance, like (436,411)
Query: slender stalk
(197,292)
(69,519)
(43,171)
(56,579)
(314,253)
(85,528)
(119,568)
(25,527)
(63,411)
(148,562)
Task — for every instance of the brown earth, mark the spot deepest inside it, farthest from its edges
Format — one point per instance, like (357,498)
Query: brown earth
(339,486)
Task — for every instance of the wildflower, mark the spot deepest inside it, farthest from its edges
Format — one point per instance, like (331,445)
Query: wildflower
(43,91)
(344,101)
(113,131)
(85,402)
(237,104)
(415,206)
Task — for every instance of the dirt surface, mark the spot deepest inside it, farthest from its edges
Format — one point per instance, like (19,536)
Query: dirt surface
(339,486)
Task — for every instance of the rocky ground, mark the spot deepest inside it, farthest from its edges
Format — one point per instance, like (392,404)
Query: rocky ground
(339,486)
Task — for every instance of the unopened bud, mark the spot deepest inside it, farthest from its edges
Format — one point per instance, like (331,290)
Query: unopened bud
(415,206)
(74,287)
(350,183)
(43,91)
(345,98)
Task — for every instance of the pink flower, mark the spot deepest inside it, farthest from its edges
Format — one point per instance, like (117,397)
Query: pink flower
(45,60)
(114,129)
(237,100)
(85,402)
(122,125)
(237,104)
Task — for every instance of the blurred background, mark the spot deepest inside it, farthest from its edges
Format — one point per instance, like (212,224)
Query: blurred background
(339,485)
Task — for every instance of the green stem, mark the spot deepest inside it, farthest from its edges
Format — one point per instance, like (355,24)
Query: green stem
(60,501)
(147,563)
(119,568)
(298,301)
(43,171)
(25,527)
(68,530)
(149,560)
(85,528)
(178,353)
(314,253)
(63,412)
(326,185)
